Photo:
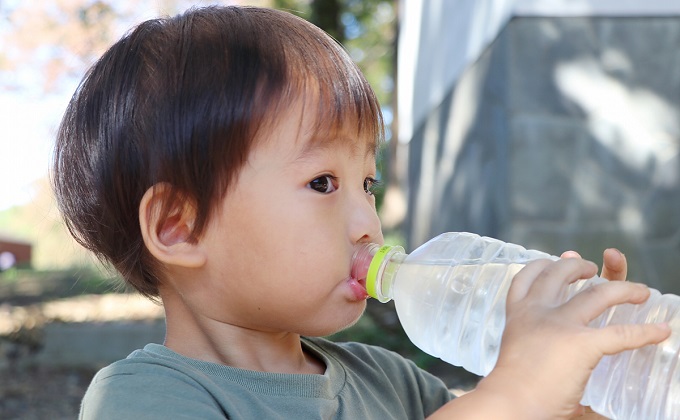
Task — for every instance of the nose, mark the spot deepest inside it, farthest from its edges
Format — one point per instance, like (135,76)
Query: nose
(364,223)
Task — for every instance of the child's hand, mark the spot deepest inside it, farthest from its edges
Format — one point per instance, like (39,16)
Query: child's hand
(548,351)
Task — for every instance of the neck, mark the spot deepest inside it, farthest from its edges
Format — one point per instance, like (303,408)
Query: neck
(198,337)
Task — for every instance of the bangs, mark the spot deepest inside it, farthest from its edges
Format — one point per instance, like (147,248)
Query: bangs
(350,109)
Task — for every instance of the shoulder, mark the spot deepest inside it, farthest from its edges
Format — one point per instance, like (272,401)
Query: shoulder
(142,363)
(113,389)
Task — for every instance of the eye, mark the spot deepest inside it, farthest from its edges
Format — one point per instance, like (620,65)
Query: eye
(371,185)
(324,184)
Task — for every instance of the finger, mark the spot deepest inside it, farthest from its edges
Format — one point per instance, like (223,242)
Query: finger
(570,254)
(615,266)
(552,281)
(524,278)
(616,338)
(594,299)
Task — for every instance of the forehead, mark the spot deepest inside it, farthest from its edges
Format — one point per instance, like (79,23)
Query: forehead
(304,128)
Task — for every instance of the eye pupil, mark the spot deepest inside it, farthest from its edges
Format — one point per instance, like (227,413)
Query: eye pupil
(320,184)
(371,185)
(323,184)
(368,186)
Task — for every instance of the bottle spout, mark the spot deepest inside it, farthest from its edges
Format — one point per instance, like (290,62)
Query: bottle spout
(368,266)
(361,261)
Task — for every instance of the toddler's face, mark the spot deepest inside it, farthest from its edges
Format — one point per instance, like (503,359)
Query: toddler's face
(280,246)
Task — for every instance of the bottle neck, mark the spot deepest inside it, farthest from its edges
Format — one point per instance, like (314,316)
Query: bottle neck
(378,266)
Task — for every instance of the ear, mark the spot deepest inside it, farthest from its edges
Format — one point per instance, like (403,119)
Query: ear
(169,238)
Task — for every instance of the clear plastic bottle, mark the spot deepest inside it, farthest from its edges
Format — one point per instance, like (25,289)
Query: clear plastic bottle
(450,298)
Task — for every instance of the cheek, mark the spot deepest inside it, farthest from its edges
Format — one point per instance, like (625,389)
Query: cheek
(301,270)
(283,232)
(252,217)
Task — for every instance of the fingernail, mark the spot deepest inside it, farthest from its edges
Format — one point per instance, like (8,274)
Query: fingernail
(618,251)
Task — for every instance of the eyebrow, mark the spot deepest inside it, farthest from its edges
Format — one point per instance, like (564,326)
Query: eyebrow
(314,145)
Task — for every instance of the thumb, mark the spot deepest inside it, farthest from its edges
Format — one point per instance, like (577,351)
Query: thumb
(615,266)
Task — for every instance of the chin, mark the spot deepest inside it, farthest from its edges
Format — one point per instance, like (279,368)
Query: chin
(349,322)
(338,324)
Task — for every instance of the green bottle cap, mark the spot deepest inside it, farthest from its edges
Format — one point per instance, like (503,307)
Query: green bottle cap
(374,271)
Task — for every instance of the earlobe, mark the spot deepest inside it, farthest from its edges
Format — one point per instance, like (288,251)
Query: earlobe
(168,237)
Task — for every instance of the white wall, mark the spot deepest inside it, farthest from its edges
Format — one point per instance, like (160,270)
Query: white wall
(440,38)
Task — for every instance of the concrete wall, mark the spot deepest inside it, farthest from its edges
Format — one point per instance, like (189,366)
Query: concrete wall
(563,135)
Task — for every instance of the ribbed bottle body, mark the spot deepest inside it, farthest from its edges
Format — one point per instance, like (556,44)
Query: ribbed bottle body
(643,383)
(450,297)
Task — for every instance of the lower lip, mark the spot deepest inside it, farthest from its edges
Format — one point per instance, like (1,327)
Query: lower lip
(358,289)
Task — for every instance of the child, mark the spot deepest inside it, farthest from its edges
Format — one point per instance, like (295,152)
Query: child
(224,162)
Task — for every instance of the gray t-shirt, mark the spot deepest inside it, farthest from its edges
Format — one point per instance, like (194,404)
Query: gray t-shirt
(360,382)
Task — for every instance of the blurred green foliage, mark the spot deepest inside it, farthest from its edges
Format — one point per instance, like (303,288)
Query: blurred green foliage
(367,30)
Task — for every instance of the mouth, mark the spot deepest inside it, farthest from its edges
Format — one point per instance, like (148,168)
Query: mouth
(358,287)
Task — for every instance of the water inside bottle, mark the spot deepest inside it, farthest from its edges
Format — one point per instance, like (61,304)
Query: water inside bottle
(456,313)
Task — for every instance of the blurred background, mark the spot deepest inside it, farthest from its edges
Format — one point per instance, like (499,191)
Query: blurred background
(552,124)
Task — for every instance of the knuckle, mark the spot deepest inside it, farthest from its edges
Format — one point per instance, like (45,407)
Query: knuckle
(596,291)
(630,336)
(625,332)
